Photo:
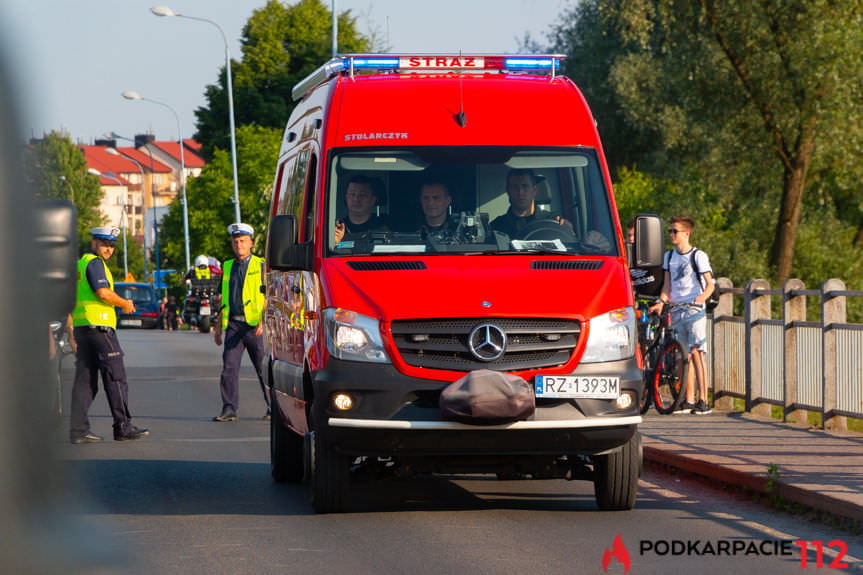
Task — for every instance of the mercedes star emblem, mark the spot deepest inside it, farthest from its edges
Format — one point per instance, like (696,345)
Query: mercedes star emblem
(487,342)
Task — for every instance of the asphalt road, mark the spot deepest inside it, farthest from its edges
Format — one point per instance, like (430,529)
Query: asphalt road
(196,497)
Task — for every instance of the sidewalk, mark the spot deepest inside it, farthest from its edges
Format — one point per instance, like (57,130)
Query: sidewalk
(820,469)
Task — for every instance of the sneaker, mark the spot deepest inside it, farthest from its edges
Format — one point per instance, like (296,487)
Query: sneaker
(701,408)
(226,416)
(89,437)
(132,434)
(685,408)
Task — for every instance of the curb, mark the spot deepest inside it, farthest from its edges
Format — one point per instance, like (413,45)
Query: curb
(755,483)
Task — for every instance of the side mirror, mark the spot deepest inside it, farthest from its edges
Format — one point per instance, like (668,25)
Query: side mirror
(283,251)
(649,244)
(56,224)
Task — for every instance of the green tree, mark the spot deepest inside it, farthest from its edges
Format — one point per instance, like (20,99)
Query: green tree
(281,45)
(754,88)
(56,168)
(586,34)
(135,259)
(210,200)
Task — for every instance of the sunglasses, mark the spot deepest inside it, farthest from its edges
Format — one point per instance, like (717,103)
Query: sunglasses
(673,231)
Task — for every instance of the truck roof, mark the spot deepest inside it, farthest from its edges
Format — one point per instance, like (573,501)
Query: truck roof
(448,100)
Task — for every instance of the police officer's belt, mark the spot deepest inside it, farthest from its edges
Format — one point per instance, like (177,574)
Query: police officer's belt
(105,328)
(238,318)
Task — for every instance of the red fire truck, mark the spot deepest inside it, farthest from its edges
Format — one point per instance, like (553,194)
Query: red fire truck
(435,217)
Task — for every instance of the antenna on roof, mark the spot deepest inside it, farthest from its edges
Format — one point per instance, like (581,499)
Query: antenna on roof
(460,118)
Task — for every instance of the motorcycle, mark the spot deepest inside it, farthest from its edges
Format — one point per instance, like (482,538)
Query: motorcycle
(198,307)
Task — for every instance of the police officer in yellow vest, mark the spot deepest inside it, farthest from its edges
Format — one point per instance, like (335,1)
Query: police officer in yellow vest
(242,309)
(95,321)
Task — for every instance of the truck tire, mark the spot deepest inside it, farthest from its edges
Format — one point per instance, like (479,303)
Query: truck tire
(615,476)
(286,450)
(330,473)
(204,324)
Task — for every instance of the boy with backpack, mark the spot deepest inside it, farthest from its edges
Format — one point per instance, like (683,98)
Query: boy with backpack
(687,286)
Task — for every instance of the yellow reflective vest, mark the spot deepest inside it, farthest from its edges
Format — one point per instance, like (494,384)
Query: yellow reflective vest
(89,309)
(253,297)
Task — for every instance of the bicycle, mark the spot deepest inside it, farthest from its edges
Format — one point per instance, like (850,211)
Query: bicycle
(666,364)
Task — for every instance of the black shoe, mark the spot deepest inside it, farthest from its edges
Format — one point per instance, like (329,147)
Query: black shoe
(134,433)
(89,437)
(225,416)
(685,408)
(701,408)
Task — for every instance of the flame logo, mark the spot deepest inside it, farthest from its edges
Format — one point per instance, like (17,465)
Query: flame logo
(619,552)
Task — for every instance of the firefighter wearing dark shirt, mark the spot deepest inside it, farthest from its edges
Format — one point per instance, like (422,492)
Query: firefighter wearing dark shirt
(95,322)
(361,197)
(521,187)
(435,201)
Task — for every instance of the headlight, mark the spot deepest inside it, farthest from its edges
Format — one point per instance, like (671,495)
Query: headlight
(612,336)
(353,336)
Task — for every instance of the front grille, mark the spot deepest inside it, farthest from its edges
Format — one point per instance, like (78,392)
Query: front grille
(443,343)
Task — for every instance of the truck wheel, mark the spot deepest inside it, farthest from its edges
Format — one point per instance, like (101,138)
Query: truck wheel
(204,324)
(286,450)
(329,477)
(615,476)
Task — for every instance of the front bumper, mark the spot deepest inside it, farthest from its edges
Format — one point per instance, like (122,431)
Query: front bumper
(394,415)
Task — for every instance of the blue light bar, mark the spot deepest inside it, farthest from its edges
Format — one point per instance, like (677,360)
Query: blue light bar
(372,63)
(522,63)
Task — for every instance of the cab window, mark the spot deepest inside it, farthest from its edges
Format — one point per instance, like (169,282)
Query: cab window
(488,200)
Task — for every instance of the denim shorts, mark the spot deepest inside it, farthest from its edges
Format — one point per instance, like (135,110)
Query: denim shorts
(690,323)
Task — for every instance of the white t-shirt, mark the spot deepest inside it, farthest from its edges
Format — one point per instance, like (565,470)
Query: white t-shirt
(684,286)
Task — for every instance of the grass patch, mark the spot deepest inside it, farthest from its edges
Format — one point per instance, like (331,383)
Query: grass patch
(813,418)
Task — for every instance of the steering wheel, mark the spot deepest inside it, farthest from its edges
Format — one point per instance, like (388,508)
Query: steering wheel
(547,229)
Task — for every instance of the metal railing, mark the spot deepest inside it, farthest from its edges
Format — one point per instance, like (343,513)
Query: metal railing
(787,361)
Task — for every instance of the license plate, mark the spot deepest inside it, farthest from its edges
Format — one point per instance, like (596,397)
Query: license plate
(205,310)
(578,387)
(131,322)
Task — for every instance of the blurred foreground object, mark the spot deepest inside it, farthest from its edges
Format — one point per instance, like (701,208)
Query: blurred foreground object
(40,534)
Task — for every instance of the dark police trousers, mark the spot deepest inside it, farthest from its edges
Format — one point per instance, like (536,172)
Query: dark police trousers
(99,352)
(239,335)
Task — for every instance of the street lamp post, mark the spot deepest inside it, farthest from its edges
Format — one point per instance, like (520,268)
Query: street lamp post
(116,152)
(165,11)
(114,177)
(130,95)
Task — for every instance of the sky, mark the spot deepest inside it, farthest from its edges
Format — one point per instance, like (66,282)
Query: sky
(73,59)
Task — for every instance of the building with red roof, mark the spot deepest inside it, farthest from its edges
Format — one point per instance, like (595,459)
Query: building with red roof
(145,177)
(169,154)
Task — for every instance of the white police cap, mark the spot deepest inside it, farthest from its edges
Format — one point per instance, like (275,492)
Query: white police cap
(108,233)
(240,229)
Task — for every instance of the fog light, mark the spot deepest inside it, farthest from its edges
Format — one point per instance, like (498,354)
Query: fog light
(343,401)
(624,401)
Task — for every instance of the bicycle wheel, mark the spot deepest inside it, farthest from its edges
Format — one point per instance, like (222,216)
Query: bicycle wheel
(669,377)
